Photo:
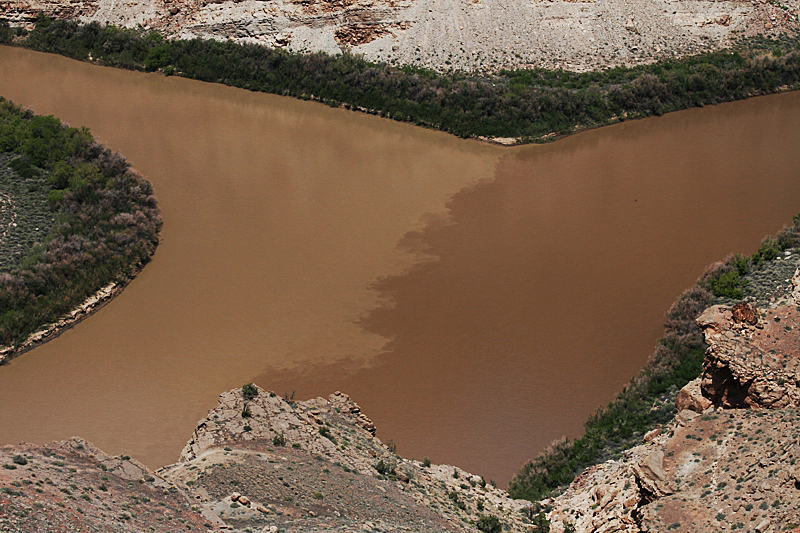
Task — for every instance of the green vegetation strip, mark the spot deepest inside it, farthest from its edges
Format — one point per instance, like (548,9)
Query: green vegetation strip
(531,105)
(648,401)
(83,219)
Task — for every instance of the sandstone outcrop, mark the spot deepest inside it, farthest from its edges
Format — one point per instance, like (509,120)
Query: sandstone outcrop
(727,461)
(468,34)
(73,486)
(316,465)
(723,470)
(752,365)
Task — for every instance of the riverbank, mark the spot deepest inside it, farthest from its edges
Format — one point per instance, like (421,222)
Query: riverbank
(84,228)
(87,308)
(531,105)
(649,401)
(259,461)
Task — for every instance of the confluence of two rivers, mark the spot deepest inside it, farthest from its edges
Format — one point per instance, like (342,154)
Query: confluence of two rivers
(477,301)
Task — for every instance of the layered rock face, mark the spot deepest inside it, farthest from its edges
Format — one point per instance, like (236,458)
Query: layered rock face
(752,364)
(720,471)
(483,35)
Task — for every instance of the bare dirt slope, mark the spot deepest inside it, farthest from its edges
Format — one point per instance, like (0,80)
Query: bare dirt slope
(442,34)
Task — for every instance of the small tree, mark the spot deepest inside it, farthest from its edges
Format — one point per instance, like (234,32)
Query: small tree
(489,524)
(249,391)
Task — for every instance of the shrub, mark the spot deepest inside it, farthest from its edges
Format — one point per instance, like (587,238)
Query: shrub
(385,468)
(20,460)
(279,440)
(727,285)
(249,391)
(426,463)
(325,432)
(489,524)
(530,104)
(93,242)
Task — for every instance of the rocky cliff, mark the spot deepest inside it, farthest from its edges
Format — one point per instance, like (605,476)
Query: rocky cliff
(482,35)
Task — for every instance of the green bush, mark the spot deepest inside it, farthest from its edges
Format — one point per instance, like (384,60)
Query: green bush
(325,432)
(6,34)
(489,524)
(249,391)
(384,468)
(727,285)
(279,440)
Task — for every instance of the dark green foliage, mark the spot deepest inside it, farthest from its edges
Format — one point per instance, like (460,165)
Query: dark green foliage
(105,220)
(384,468)
(726,279)
(20,460)
(767,251)
(489,524)
(529,104)
(6,34)
(279,440)
(727,285)
(540,523)
(249,391)
(325,432)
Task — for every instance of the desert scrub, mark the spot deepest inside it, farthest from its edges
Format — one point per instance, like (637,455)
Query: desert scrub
(84,219)
(25,215)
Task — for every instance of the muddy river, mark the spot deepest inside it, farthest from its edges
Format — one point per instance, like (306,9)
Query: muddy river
(477,301)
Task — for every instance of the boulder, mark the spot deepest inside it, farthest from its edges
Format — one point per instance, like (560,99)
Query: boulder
(691,397)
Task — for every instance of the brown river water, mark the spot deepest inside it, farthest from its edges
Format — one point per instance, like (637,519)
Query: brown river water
(477,301)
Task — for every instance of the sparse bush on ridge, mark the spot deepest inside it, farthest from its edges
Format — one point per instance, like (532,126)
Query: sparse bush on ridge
(249,391)
(106,217)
